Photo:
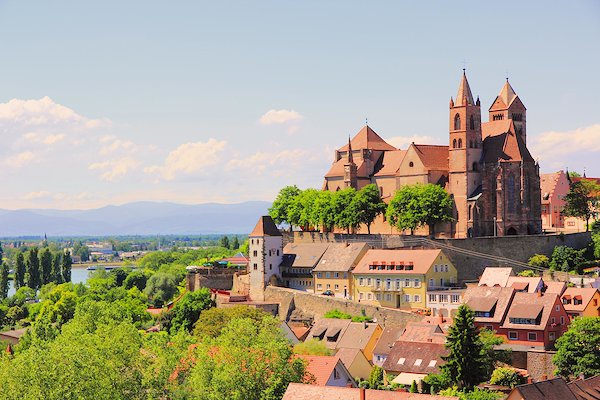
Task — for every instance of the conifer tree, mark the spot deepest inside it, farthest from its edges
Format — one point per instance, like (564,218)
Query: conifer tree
(20,270)
(3,280)
(33,269)
(66,266)
(235,243)
(46,266)
(56,268)
(466,364)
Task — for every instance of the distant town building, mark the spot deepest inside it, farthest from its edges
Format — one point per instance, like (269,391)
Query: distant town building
(334,270)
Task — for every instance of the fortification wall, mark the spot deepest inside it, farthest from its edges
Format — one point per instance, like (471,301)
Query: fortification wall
(216,281)
(318,305)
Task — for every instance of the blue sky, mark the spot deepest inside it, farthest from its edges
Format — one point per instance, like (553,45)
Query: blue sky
(115,101)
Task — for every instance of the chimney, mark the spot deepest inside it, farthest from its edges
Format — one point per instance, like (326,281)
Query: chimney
(539,293)
(440,318)
(362,393)
(544,378)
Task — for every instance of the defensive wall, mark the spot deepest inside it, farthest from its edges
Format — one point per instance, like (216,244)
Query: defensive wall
(317,305)
(470,255)
(221,279)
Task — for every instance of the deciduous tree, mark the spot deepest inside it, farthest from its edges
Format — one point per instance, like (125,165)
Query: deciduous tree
(368,205)
(160,288)
(187,310)
(279,210)
(582,200)
(322,212)
(578,350)
(345,216)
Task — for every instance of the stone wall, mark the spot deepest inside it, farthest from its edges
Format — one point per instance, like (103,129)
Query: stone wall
(220,281)
(317,305)
(539,365)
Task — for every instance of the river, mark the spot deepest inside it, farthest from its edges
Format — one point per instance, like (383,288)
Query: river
(79,274)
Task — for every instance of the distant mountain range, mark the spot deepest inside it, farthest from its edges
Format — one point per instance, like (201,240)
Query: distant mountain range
(140,218)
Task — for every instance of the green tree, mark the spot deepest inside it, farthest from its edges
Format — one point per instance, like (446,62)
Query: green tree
(490,355)
(345,216)
(578,350)
(566,259)
(3,280)
(419,205)
(56,268)
(506,377)
(46,266)
(312,347)
(66,266)
(224,242)
(539,261)
(135,279)
(33,269)
(466,364)
(211,322)
(160,288)
(20,270)
(337,314)
(368,205)
(322,211)
(235,244)
(187,310)
(376,377)
(247,361)
(301,209)
(582,200)
(279,210)
(413,387)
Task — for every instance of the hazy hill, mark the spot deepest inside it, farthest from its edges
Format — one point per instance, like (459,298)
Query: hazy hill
(141,218)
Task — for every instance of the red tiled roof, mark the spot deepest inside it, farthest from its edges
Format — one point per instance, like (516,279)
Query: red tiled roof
(506,146)
(423,332)
(320,367)
(530,305)
(265,227)
(415,357)
(366,138)
(586,389)
(421,261)
(553,389)
(434,157)
(298,391)
(391,162)
(585,294)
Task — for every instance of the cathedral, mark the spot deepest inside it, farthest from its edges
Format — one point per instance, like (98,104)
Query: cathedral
(486,168)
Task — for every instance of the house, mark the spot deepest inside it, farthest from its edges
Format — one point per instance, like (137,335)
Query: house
(586,389)
(327,371)
(554,187)
(12,336)
(444,302)
(534,320)
(385,343)
(423,332)
(581,302)
(329,330)
(362,336)
(400,278)
(355,361)
(555,287)
(238,260)
(413,361)
(490,305)
(299,391)
(299,260)
(579,224)
(504,277)
(334,270)
(553,389)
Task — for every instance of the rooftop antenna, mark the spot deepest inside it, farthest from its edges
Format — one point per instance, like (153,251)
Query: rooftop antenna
(366,121)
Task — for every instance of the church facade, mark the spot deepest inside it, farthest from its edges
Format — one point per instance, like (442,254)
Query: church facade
(486,168)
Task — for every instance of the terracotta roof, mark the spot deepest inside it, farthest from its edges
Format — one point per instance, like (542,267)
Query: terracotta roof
(433,157)
(505,147)
(337,169)
(321,367)
(391,162)
(464,91)
(553,389)
(330,330)
(548,184)
(555,287)
(482,304)
(265,227)
(298,391)
(531,283)
(347,355)
(495,128)
(303,255)
(501,295)
(530,305)
(421,260)
(423,332)
(357,335)
(341,257)
(507,94)
(415,357)
(495,276)
(586,295)
(586,389)
(366,138)
(389,336)
(15,333)
(300,331)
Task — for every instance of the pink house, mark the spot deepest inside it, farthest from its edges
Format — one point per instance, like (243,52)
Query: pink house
(554,188)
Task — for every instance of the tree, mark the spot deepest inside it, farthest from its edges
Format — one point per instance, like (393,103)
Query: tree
(322,211)
(160,288)
(465,365)
(582,200)
(279,210)
(578,350)
(66,266)
(301,209)
(3,280)
(418,205)
(312,347)
(224,242)
(490,356)
(248,360)
(506,377)
(33,269)
(135,279)
(376,377)
(56,268)
(235,244)
(539,261)
(46,266)
(566,259)
(20,270)
(187,310)
(211,322)
(345,216)
(413,387)
(368,205)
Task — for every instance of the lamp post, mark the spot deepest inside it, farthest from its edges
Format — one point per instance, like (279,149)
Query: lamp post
(495,227)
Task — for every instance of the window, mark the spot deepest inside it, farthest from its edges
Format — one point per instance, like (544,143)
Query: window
(418,362)
(336,274)
(361,295)
(255,253)
(255,266)
(562,320)
(370,296)
(513,335)
(435,268)
(270,267)
(407,298)
(557,307)
(327,274)
(336,287)
(460,143)
(472,123)
(397,283)
(457,122)
(388,284)
(401,361)
(417,282)
(378,283)
(417,298)
(319,275)
(407,282)
(378,296)
(432,363)
(551,336)
(368,281)
(523,321)
(388,297)
(411,164)
(361,282)
(431,282)
(454,144)
(278,252)
(455,298)
(553,320)
(328,286)
(336,374)
(489,327)
(432,298)
(319,286)
(532,336)
(475,166)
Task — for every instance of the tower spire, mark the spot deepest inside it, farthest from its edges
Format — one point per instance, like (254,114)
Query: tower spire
(464,95)
(350,158)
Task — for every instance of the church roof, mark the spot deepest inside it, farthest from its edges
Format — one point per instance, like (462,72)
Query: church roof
(548,183)
(391,162)
(265,227)
(337,169)
(434,157)
(464,90)
(494,128)
(366,138)
(506,146)
(507,94)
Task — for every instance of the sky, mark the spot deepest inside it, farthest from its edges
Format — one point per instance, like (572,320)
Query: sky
(110,102)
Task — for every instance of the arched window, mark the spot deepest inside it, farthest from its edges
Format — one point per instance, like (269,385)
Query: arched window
(510,189)
(456,122)
(411,164)
(460,143)
(454,144)
(472,123)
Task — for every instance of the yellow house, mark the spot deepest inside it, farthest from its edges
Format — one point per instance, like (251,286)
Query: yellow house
(334,270)
(581,302)
(400,278)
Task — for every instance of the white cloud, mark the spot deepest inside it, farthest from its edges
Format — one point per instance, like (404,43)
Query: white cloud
(51,139)
(280,117)
(19,160)
(276,163)
(556,145)
(116,145)
(112,170)
(189,158)
(42,194)
(402,142)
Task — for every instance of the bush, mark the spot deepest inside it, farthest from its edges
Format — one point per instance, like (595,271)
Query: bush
(161,288)
(312,347)
(506,377)
(565,259)
(337,314)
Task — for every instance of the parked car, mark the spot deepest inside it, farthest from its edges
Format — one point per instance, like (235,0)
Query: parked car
(328,293)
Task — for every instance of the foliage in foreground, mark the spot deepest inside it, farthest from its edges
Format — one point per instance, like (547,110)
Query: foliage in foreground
(578,350)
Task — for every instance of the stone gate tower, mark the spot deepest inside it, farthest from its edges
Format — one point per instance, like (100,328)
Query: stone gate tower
(266,255)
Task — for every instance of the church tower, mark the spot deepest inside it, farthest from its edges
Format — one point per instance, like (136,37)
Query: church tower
(508,106)
(266,254)
(465,149)
(350,169)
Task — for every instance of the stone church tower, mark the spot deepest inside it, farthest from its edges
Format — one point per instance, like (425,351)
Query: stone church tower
(266,255)
(464,155)
(350,170)
(508,106)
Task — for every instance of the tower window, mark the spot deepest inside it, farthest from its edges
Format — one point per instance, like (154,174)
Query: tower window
(511,193)
(457,122)
(498,117)
(475,166)
(460,143)
(472,123)
(411,164)
(454,144)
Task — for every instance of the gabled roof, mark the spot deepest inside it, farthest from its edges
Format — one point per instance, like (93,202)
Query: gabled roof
(549,182)
(391,162)
(321,368)
(586,389)
(366,138)
(433,157)
(420,260)
(474,297)
(553,389)
(585,294)
(494,128)
(555,287)
(530,306)
(331,328)
(348,355)
(464,92)
(265,227)
(341,257)
(303,255)
(337,169)
(423,332)
(298,391)
(495,276)
(531,283)
(357,335)
(415,357)
(507,146)
(387,339)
